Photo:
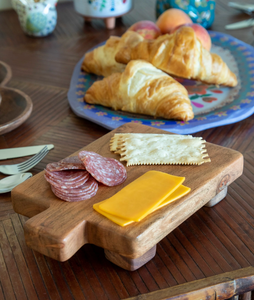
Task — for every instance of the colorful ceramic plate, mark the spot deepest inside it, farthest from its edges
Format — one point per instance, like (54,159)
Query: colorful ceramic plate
(213,106)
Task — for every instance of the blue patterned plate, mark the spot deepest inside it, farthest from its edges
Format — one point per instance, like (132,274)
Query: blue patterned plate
(213,106)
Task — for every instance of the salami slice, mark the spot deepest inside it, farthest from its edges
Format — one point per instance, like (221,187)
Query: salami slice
(63,185)
(84,153)
(108,171)
(87,187)
(78,197)
(67,175)
(76,178)
(69,179)
(68,163)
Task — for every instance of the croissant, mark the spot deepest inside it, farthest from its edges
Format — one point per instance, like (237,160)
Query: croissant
(180,54)
(101,60)
(142,89)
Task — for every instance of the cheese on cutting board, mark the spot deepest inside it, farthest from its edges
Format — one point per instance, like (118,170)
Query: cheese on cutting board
(115,219)
(142,196)
(178,193)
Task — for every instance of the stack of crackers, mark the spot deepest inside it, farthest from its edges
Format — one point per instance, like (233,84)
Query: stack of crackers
(159,149)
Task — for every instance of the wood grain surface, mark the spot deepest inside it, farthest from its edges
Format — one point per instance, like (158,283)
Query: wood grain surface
(209,243)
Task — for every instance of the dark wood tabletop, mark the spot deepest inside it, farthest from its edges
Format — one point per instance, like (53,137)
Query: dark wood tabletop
(209,256)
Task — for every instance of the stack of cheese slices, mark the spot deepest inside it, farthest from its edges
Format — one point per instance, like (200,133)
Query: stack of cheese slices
(149,192)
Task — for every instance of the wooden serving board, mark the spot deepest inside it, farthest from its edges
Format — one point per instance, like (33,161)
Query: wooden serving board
(58,229)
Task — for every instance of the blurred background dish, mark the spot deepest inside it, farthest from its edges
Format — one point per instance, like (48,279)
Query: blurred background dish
(103,9)
(15,109)
(37,18)
(5,73)
(15,106)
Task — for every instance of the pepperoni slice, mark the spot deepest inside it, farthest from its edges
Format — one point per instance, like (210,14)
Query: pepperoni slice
(108,171)
(68,163)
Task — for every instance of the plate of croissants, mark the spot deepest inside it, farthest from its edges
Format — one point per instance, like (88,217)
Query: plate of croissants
(172,82)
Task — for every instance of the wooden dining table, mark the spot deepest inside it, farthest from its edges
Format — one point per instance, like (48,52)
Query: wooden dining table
(209,256)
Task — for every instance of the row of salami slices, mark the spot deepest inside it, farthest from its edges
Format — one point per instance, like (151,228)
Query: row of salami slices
(76,178)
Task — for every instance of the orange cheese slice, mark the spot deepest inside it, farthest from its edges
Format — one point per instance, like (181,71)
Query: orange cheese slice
(139,198)
(115,219)
(178,193)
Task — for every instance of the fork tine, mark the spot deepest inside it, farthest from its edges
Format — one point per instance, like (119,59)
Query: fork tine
(32,164)
(33,160)
(35,156)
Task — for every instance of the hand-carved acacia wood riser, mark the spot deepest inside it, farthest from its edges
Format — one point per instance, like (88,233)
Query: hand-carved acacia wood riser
(58,229)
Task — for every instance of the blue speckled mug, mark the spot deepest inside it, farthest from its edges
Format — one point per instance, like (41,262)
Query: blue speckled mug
(200,11)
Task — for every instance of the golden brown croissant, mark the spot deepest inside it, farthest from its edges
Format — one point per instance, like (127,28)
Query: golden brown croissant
(142,89)
(101,61)
(180,54)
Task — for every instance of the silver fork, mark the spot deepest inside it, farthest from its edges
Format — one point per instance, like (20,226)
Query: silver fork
(26,165)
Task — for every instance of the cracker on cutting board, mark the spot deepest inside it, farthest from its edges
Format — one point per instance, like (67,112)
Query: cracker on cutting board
(159,149)
(118,138)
